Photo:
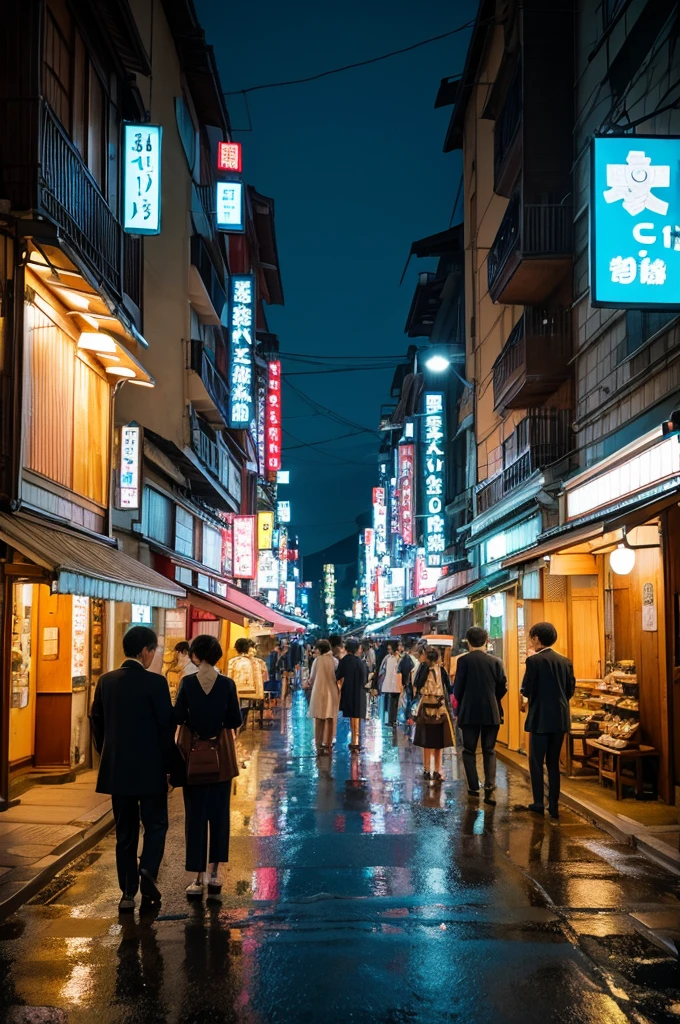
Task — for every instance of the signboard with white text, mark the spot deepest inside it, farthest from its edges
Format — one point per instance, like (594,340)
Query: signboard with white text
(406,453)
(129,466)
(273,418)
(229,206)
(142,178)
(432,443)
(241,335)
(245,552)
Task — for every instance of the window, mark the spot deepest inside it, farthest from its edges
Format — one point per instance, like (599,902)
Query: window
(184,532)
(641,325)
(187,132)
(66,411)
(157,516)
(57,55)
(212,548)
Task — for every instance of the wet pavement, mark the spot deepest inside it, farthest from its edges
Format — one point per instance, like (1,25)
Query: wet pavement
(355,893)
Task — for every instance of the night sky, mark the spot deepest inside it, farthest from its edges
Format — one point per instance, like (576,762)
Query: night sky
(354,163)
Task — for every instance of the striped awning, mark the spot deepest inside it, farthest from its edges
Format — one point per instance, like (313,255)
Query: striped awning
(78,564)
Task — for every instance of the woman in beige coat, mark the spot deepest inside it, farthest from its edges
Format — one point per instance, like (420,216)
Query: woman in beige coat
(325,699)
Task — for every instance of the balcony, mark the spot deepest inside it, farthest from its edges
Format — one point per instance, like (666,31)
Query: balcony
(204,444)
(532,252)
(507,139)
(534,361)
(206,285)
(43,172)
(208,392)
(542,438)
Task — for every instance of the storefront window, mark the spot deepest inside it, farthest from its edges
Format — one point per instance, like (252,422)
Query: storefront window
(22,624)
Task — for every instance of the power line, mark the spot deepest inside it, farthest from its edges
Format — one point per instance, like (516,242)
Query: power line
(302,357)
(328,440)
(350,67)
(336,369)
(328,412)
(316,448)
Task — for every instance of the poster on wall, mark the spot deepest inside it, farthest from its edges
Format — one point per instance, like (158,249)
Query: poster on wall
(245,551)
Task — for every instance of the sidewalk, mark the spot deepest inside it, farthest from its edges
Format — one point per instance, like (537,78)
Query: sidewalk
(52,825)
(649,825)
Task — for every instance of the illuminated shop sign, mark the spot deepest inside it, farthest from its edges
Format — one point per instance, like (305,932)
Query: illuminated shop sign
(267,571)
(380,521)
(635,222)
(229,157)
(433,432)
(245,553)
(283,511)
(290,593)
(394,506)
(129,466)
(228,545)
(283,476)
(273,417)
(142,179)
(241,331)
(265,530)
(229,206)
(406,454)
(261,429)
(426,577)
(329,592)
(369,559)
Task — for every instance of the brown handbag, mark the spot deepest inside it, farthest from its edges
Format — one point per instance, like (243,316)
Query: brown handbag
(208,761)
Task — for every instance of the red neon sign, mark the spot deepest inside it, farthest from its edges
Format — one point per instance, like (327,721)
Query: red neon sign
(229,157)
(405,485)
(273,418)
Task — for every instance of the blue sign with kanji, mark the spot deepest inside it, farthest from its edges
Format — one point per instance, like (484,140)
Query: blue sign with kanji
(635,222)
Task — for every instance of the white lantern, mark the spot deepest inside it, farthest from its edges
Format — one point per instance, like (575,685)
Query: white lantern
(622,560)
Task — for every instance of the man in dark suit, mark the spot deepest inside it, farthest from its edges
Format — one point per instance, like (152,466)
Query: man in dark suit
(479,687)
(133,730)
(548,686)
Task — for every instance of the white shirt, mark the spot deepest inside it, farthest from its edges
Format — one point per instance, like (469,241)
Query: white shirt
(390,681)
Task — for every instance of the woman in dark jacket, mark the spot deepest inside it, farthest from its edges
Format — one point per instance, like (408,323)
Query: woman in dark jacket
(207,702)
(433,685)
(352,674)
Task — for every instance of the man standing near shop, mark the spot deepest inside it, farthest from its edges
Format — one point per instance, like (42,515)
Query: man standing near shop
(133,731)
(479,688)
(548,686)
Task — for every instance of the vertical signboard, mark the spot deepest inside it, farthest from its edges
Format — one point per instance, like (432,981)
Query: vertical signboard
(635,222)
(273,420)
(229,157)
(433,434)
(405,485)
(245,552)
(369,556)
(228,546)
(380,521)
(267,571)
(265,530)
(129,466)
(283,511)
(142,178)
(241,336)
(229,206)
(394,506)
(261,425)
(329,592)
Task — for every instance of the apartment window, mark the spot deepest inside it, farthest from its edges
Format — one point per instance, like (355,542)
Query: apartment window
(184,532)
(158,516)
(641,325)
(57,57)
(212,547)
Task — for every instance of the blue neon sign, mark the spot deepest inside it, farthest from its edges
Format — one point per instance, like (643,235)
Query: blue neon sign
(241,340)
(635,222)
(230,211)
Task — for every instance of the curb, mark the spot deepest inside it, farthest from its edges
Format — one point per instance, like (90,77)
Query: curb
(81,844)
(627,831)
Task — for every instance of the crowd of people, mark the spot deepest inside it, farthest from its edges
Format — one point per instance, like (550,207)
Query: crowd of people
(148,745)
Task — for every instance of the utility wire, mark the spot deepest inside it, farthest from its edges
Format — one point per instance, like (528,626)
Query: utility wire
(329,412)
(316,448)
(337,369)
(329,440)
(310,357)
(350,67)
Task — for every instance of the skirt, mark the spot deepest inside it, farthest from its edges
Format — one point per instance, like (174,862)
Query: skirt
(433,735)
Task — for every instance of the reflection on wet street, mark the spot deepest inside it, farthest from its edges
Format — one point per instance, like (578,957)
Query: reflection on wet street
(355,893)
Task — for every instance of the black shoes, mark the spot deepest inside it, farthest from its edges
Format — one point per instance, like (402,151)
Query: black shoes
(473,792)
(427,776)
(554,813)
(148,887)
(126,904)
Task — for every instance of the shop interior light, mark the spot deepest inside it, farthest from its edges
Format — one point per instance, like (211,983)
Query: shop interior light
(96,341)
(437,363)
(622,559)
(121,371)
(143,383)
(72,297)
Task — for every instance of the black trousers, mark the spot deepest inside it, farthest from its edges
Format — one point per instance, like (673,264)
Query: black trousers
(545,749)
(392,707)
(471,736)
(127,811)
(206,807)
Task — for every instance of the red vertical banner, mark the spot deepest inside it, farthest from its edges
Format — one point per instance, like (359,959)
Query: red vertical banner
(229,157)
(273,417)
(405,485)
(245,548)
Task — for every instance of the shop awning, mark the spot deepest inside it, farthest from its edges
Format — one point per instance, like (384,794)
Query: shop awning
(415,621)
(82,565)
(253,609)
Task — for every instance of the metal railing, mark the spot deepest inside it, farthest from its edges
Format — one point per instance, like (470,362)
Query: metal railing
(532,230)
(204,445)
(507,123)
(214,384)
(511,359)
(541,324)
(542,438)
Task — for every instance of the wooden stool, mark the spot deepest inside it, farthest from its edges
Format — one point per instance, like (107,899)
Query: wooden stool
(612,762)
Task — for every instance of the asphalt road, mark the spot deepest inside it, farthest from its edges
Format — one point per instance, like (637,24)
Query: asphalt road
(356,894)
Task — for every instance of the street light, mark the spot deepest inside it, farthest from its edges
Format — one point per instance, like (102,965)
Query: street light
(437,363)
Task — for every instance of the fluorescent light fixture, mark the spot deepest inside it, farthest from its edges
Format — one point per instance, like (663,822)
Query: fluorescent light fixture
(437,363)
(95,341)
(143,383)
(120,371)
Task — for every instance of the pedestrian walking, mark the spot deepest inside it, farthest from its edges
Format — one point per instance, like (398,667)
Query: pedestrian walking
(207,704)
(325,699)
(389,682)
(408,666)
(434,730)
(479,687)
(352,677)
(548,686)
(132,727)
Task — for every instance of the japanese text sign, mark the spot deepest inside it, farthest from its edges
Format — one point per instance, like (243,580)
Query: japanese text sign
(229,210)
(273,418)
(433,441)
(241,340)
(129,466)
(229,157)
(380,521)
(635,222)
(142,179)
(265,530)
(405,488)
(283,511)
(245,555)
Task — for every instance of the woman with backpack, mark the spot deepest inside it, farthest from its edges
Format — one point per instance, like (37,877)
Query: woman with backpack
(434,729)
